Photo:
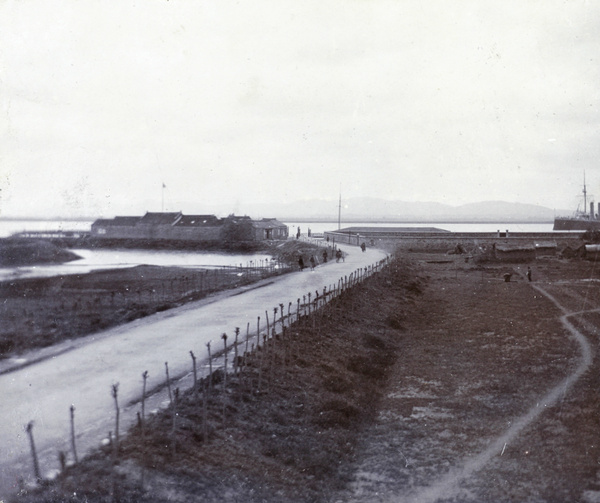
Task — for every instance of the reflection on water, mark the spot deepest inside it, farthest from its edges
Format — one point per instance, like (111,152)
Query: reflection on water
(113,259)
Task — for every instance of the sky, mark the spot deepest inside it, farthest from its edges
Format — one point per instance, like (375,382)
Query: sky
(121,107)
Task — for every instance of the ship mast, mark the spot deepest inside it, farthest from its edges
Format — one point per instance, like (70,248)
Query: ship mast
(584,194)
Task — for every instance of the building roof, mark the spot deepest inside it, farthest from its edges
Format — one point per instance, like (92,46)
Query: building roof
(390,230)
(268,223)
(198,221)
(509,248)
(545,244)
(117,221)
(160,218)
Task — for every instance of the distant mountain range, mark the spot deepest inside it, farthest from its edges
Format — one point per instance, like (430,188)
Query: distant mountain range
(373,209)
(362,209)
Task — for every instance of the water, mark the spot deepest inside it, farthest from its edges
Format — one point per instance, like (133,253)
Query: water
(320,227)
(114,259)
(110,259)
(10,227)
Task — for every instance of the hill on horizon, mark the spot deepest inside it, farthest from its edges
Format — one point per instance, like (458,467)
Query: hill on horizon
(356,209)
(370,209)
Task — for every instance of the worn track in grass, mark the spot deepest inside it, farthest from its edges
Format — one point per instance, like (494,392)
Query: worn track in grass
(513,420)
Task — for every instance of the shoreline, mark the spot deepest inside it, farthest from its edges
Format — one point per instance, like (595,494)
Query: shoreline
(42,311)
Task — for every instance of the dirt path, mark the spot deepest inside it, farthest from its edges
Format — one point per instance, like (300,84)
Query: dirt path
(493,399)
(447,487)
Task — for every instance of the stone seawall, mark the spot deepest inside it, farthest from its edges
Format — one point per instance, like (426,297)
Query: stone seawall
(446,241)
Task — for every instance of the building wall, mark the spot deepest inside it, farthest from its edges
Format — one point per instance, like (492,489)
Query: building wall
(230,230)
(436,242)
(204,233)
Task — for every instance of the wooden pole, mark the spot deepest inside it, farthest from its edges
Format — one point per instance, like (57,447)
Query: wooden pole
(209,367)
(224,337)
(195,373)
(168,383)
(36,465)
(115,393)
(235,351)
(72,409)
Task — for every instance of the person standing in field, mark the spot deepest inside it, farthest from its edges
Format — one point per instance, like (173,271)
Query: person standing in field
(312,262)
(529,273)
(301,263)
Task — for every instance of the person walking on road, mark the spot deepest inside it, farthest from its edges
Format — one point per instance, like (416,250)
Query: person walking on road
(312,262)
(529,273)
(324,256)
(301,263)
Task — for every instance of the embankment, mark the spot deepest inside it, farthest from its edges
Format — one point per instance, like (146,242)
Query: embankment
(40,312)
(283,427)
(21,252)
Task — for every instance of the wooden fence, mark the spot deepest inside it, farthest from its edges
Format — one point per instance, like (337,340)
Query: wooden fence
(244,362)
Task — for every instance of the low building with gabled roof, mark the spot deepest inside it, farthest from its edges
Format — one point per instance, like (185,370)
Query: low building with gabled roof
(190,228)
(198,221)
(270,228)
(160,218)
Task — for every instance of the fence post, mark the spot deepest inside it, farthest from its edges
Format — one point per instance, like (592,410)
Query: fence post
(36,465)
(257,332)
(144,377)
(268,325)
(209,367)
(224,337)
(247,337)
(115,392)
(72,409)
(195,374)
(235,351)
(169,383)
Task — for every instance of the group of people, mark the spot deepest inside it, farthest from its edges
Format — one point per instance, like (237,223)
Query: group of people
(313,261)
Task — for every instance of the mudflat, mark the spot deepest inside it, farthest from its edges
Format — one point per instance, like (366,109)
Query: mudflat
(41,312)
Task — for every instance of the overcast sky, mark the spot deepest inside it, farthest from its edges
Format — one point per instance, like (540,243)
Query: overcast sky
(232,103)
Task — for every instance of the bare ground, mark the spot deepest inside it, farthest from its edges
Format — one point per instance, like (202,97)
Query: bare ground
(435,381)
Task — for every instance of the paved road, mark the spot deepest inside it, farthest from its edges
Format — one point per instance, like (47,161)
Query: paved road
(83,374)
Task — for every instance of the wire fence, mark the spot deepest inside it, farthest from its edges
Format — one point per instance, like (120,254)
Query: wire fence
(243,362)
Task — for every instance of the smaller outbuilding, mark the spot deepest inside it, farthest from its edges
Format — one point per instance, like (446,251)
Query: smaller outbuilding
(514,252)
(270,228)
(545,249)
